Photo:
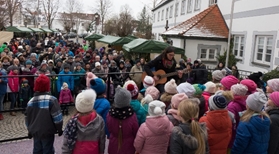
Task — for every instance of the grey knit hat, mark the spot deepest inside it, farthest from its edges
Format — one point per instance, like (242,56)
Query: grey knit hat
(122,97)
(256,101)
(218,75)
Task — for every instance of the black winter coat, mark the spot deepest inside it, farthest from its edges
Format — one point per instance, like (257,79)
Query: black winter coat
(200,74)
(273,147)
(25,93)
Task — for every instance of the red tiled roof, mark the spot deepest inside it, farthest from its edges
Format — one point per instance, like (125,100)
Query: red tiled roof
(209,24)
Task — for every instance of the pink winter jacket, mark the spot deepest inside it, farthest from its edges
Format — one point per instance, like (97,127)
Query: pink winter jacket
(13,82)
(206,96)
(65,96)
(153,136)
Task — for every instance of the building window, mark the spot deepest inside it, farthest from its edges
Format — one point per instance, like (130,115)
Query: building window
(211,2)
(176,9)
(189,6)
(263,49)
(183,3)
(208,54)
(162,17)
(238,47)
(159,16)
(171,11)
(197,5)
(154,17)
(167,13)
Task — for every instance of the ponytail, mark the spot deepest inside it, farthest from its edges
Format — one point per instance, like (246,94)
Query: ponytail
(199,134)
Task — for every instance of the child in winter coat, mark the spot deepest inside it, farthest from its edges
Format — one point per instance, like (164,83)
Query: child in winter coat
(153,135)
(210,89)
(219,129)
(272,86)
(170,90)
(227,82)
(101,105)
(199,88)
(65,98)
(53,82)
(151,93)
(253,131)
(25,93)
(172,113)
(148,81)
(136,105)
(122,124)
(78,70)
(217,76)
(273,110)
(189,137)
(85,131)
(13,87)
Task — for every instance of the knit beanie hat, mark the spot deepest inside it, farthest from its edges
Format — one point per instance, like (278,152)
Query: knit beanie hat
(122,97)
(98,85)
(28,62)
(273,84)
(210,87)
(256,101)
(97,64)
(42,84)
(218,75)
(156,108)
(229,81)
(132,87)
(170,87)
(250,84)
(85,101)
(153,91)
(275,98)
(186,88)
(89,77)
(177,98)
(217,102)
(199,88)
(148,81)
(239,90)
(65,85)
(43,63)
(13,67)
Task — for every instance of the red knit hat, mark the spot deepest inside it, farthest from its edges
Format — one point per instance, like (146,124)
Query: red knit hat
(133,90)
(42,84)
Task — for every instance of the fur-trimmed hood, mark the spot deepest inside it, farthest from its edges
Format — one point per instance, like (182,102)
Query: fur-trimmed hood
(166,97)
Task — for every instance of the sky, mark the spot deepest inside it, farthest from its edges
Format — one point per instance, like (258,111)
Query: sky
(135,5)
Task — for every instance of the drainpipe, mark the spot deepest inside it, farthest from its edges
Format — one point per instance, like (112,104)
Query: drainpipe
(230,31)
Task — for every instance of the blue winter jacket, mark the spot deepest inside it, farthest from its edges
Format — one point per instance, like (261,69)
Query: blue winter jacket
(102,107)
(3,84)
(139,110)
(252,137)
(69,79)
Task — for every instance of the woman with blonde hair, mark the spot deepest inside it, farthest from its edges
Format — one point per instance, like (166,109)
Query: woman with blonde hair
(253,134)
(190,136)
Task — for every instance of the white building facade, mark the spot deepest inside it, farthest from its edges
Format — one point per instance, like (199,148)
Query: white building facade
(255,29)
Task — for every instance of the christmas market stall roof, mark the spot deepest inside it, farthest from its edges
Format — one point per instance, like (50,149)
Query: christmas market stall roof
(148,46)
(123,40)
(47,30)
(36,29)
(94,37)
(53,30)
(18,29)
(109,39)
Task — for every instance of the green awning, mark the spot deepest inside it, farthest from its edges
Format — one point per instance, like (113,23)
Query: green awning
(149,46)
(18,29)
(93,37)
(123,40)
(36,29)
(109,39)
(53,30)
(46,30)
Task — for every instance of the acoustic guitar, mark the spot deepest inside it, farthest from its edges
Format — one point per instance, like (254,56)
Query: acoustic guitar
(162,76)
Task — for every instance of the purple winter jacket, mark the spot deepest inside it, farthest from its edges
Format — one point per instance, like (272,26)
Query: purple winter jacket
(65,96)
(236,106)
(129,131)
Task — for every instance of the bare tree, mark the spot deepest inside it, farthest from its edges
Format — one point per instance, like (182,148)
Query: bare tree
(126,22)
(12,7)
(32,9)
(3,15)
(50,8)
(72,7)
(103,8)
(110,25)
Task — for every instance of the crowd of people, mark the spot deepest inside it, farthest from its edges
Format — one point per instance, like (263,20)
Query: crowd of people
(187,114)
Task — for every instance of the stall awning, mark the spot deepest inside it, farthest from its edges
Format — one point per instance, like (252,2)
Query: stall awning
(18,29)
(93,37)
(109,39)
(123,40)
(149,46)
(46,30)
(36,29)
(53,30)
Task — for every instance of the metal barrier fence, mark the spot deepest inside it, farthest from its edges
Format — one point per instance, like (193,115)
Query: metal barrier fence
(243,74)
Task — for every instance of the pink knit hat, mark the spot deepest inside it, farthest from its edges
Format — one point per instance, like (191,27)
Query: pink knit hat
(89,77)
(153,91)
(177,98)
(239,90)
(273,84)
(229,81)
(275,98)
(250,84)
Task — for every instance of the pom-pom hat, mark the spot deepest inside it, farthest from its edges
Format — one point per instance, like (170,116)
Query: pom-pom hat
(42,84)
(85,101)
(170,87)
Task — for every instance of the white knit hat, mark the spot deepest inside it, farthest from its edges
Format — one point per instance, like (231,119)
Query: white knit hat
(64,85)
(85,101)
(210,87)
(148,81)
(186,88)
(156,108)
(239,90)
(170,87)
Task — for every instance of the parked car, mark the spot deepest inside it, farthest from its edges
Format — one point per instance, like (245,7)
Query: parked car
(70,35)
(83,35)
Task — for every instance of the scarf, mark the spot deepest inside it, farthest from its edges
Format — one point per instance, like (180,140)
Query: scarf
(167,63)
(71,132)
(121,113)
